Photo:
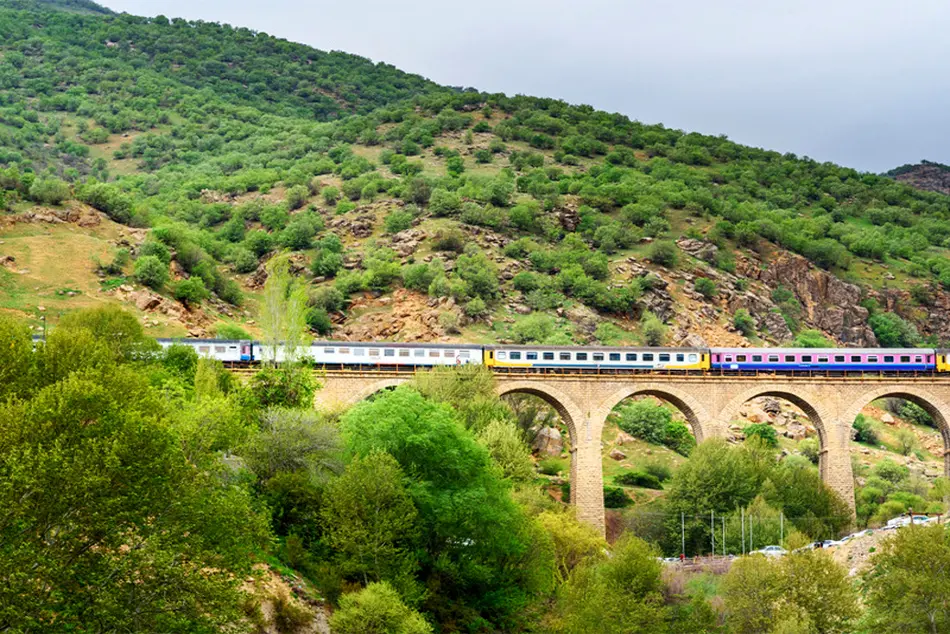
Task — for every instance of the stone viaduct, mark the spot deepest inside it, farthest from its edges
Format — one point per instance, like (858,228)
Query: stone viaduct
(709,403)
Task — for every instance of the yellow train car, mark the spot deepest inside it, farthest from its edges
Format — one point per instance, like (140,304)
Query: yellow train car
(943,360)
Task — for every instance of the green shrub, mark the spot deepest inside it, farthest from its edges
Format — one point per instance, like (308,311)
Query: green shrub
(865,431)
(244,261)
(50,191)
(155,248)
(230,331)
(706,287)
(397,221)
(550,466)
(664,254)
(151,271)
(893,331)
(376,609)
(638,479)
(475,308)
(743,322)
(330,195)
(526,282)
(616,498)
(191,291)
(659,471)
(764,431)
(444,203)
(449,240)
(297,196)
(653,330)
(319,321)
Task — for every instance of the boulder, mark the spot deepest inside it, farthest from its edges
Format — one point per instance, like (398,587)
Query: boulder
(887,419)
(771,406)
(623,438)
(616,454)
(147,301)
(796,431)
(549,441)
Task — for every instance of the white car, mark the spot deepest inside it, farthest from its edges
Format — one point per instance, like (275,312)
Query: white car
(770,551)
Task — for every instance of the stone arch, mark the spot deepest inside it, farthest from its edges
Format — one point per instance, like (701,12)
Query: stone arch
(821,417)
(374,388)
(933,405)
(692,409)
(566,408)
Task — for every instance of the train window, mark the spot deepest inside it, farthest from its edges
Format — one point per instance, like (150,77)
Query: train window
(664,357)
(790,358)
(464,354)
(631,356)
(330,350)
(806,358)
(531,356)
(905,359)
(773,358)
(449,354)
(889,359)
(680,358)
(232,347)
(515,356)
(220,349)
(433,353)
(839,358)
(344,351)
(872,359)
(855,358)
(204,349)
(582,356)
(359,352)
(565,356)
(918,359)
(614,356)
(648,356)
(693,358)
(740,358)
(418,352)
(727,358)
(502,355)
(757,358)
(598,356)
(547,356)
(822,359)
(403,352)
(389,352)
(374,352)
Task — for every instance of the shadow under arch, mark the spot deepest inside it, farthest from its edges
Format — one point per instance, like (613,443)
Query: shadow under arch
(375,388)
(570,413)
(696,415)
(819,416)
(928,402)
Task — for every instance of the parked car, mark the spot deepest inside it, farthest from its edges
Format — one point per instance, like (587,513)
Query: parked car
(770,551)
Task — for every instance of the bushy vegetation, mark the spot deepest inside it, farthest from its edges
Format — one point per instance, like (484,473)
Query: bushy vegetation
(654,423)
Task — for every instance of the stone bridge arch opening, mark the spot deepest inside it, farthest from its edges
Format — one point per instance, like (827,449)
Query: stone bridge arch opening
(876,415)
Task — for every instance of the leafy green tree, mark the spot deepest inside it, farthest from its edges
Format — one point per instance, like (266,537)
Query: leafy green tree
(377,609)
(151,271)
(622,594)
(892,331)
(535,328)
(763,431)
(289,385)
(297,196)
(744,322)
(645,420)
(706,287)
(191,291)
(283,314)
(508,449)
(444,202)
(653,330)
(812,339)
(476,541)
(371,522)
(397,221)
(574,542)
(907,582)
(664,254)
(50,191)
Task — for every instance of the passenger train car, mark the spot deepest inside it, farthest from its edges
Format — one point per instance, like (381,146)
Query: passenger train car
(540,358)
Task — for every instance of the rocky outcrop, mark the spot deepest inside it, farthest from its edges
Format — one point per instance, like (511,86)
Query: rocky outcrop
(928,176)
(548,442)
(830,304)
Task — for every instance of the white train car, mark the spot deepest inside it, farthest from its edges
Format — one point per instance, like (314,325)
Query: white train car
(596,358)
(227,350)
(358,354)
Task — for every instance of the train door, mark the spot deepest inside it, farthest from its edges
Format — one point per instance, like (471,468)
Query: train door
(246,351)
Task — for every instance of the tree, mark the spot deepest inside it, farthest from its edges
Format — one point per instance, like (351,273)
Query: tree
(297,196)
(121,532)
(377,609)
(535,328)
(763,431)
(477,544)
(645,420)
(50,191)
(750,591)
(574,542)
(812,339)
(743,322)
(398,221)
(284,312)
(293,441)
(821,589)
(151,271)
(892,331)
(619,595)
(507,447)
(371,522)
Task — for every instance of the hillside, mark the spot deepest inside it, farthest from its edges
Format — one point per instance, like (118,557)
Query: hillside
(184,155)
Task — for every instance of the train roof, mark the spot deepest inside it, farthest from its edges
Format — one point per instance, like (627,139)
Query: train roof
(604,348)
(392,344)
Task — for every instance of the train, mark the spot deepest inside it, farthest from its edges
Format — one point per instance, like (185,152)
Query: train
(579,359)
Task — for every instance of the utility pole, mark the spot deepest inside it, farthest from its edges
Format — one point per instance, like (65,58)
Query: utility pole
(723,536)
(781,527)
(742,520)
(751,539)
(712,531)
(683,533)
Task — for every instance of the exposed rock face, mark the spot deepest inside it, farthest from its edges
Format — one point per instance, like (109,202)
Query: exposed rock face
(830,304)
(931,177)
(549,442)
(774,324)
(624,438)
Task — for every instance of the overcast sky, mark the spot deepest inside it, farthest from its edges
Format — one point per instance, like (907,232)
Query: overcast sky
(859,82)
